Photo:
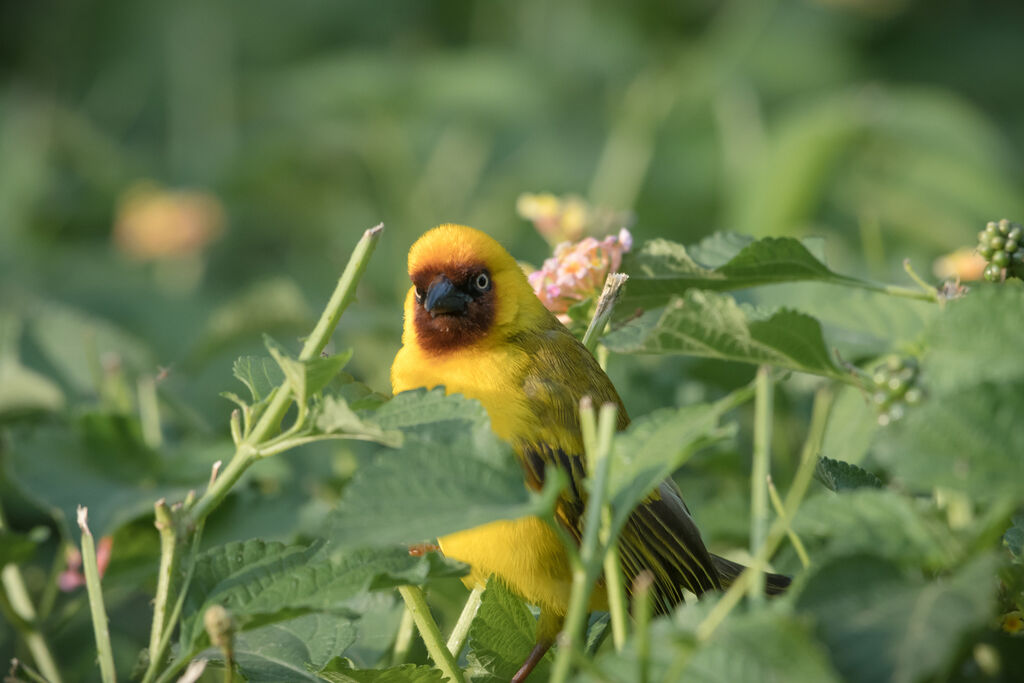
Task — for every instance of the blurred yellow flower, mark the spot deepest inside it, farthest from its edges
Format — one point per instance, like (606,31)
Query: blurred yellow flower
(154,223)
(964,264)
(567,219)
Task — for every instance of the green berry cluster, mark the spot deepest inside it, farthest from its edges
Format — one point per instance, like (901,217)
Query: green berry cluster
(894,384)
(1000,244)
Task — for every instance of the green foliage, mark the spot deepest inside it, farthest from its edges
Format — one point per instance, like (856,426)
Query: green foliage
(886,626)
(837,475)
(714,326)
(501,636)
(342,672)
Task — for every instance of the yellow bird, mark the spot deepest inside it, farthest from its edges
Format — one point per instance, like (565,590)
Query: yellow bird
(474,325)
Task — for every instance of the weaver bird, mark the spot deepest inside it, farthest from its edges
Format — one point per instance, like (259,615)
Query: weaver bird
(474,325)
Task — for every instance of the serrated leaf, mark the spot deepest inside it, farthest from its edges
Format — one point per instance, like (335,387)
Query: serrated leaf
(661,269)
(766,646)
(335,416)
(876,521)
(968,440)
(450,473)
(502,635)
(341,671)
(260,582)
(714,326)
(101,463)
(1013,539)
(287,650)
(306,378)
(653,447)
(881,625)
(842,476)
(977,339)
(259,373)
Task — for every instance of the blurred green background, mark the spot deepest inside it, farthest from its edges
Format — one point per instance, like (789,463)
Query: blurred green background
(181,177)
(893,128)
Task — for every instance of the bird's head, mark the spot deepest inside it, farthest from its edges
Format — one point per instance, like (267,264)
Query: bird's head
(466,288)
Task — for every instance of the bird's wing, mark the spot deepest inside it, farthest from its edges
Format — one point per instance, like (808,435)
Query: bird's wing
(660,535)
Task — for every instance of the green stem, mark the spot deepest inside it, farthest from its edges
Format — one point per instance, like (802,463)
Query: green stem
(763,411)
(925,287)
(15,597)
(99,612)
(168,530)
(605,305)
(149,411)
(780,510)
(804,474)
(458,636)
(642,613)
(893,290)
(403,639)
(431,634)
(29,672)
(616,589)
(597,444)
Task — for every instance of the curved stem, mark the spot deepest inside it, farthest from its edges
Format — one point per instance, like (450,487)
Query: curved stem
(461,631)
(431,634)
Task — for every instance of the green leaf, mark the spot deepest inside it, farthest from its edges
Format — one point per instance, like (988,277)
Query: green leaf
(714,326)
(23,390)
(450,473)
(260,582)
(334,416)
(656,445)
(876,521)
(763,646)
(287,650)
(341,671)
(307,378)
(1013,539)
(261,374)
(881,625)
(842,476)
(502,635)
(103,464)
(851,427)
(977,339)
(76,344)
(661,270)
(968,440)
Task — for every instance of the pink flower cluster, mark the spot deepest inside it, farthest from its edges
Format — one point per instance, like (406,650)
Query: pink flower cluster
(577,271)
(72,577)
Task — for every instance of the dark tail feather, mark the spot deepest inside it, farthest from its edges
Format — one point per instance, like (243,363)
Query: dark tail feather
(728,571)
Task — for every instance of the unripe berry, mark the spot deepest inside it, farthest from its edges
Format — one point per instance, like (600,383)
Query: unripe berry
(1011,245)
(993,272)
(1001,259)
(997,242)
(1004,226)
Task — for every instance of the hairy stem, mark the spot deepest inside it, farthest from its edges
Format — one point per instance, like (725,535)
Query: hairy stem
(99,611)
(605,305)
(431,634)
(597,443)
(458,636)
(763,411)
(804,474)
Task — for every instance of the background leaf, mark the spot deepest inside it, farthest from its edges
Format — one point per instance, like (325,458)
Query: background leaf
(502,635)
(842,476)
(713,326)
(886,626)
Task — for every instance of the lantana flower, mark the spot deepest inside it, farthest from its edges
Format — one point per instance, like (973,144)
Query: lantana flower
(154,223)
(577,271)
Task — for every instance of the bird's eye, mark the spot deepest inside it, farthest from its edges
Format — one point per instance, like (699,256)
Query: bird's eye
(482,282)
(419,295)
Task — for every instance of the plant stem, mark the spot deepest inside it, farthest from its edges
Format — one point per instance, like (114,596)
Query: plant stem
(893,290)
(246,452)
(642,614)
(588,568)
(149,411)
(763,411)
(431,634)
(615,588)
(461,631)
(798,545)
(603,312)
(96,606)
(802,479)
(403,639)
(168,531)
(15,597)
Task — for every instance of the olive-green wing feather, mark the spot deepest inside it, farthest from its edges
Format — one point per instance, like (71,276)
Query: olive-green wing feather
(660,535)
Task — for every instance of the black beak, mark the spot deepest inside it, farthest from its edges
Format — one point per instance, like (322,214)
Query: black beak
(444,297)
